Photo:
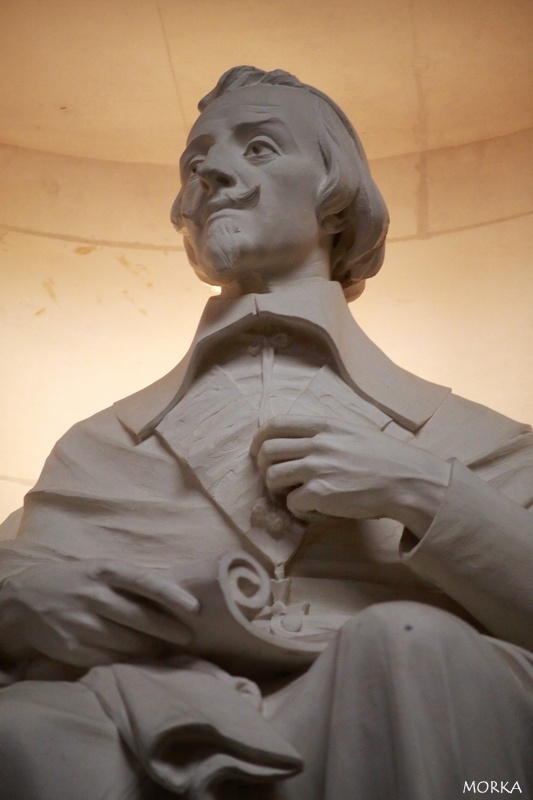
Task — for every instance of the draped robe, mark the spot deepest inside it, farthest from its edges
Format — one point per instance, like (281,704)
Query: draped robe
(166,476)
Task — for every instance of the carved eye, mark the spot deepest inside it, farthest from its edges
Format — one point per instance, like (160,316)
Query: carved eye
(260,148)
(193,165)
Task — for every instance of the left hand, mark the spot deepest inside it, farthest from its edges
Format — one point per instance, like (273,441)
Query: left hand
(335,468)
(94,611)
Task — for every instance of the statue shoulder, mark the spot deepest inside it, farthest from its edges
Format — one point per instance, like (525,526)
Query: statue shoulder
(469,431)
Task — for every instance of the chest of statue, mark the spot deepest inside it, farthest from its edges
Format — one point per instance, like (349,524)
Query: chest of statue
(337,562)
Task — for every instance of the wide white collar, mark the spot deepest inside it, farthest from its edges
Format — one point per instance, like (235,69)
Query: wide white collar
(314,305)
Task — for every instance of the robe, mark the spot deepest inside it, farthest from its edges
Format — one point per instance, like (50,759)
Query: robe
(432,634)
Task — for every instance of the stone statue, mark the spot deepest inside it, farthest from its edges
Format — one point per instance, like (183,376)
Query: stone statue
(289,569)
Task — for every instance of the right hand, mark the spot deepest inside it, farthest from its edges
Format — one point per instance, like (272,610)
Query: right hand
(97,611)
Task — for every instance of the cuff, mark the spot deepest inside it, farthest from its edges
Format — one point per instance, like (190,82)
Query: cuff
(479,550)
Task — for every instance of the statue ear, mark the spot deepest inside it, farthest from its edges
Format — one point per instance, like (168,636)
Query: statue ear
(333,223)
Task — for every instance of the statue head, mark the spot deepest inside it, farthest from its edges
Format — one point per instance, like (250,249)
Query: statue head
(326,197)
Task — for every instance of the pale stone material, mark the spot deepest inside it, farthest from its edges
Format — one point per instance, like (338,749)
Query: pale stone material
(289,569)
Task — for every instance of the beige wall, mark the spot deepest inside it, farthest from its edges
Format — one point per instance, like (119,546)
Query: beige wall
(97,299)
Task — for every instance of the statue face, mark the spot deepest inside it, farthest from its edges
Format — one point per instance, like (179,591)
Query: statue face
(250,178)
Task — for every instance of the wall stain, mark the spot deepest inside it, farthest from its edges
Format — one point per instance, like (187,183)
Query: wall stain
(83,251)
(135,269)
(50,288)
(130,299)
(40,311)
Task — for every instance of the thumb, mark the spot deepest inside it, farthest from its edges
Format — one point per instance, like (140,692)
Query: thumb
(302,502)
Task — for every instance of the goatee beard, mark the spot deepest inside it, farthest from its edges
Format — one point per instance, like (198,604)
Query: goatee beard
(221,245)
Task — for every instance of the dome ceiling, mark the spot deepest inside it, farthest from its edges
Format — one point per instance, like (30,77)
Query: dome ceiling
(119,79)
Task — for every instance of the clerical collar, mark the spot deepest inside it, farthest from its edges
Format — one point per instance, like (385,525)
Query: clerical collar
(313,305)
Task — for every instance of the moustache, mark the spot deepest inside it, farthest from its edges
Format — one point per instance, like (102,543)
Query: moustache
(204,208)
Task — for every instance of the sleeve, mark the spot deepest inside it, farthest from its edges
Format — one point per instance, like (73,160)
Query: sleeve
(479,548)
(99,496)
(102,495)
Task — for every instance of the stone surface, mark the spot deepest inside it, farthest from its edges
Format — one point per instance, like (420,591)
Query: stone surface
(285,496)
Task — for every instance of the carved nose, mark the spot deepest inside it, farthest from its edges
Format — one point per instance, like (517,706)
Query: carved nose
(212,178)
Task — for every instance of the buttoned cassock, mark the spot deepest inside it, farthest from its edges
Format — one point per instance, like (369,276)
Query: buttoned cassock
(163,477)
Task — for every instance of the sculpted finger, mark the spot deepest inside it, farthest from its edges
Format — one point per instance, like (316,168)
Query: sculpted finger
(137,618)
(279,478)
(302,502)
(284,426)
(152,585)
(167,593)
(112,639)
(85,655)
(93,641)
(274,451)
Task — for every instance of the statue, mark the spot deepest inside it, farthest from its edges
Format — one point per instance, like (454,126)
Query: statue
(289,569)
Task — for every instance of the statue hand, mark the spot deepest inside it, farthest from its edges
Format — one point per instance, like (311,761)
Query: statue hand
(335,468)
(91,612)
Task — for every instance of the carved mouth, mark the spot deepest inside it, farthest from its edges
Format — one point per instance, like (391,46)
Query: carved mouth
(203,211)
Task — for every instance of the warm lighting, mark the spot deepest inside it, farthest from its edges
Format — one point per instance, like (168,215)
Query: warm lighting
(97,294)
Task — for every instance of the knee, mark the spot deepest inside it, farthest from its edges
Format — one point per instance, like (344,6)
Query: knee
(409,617)
(406,625)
